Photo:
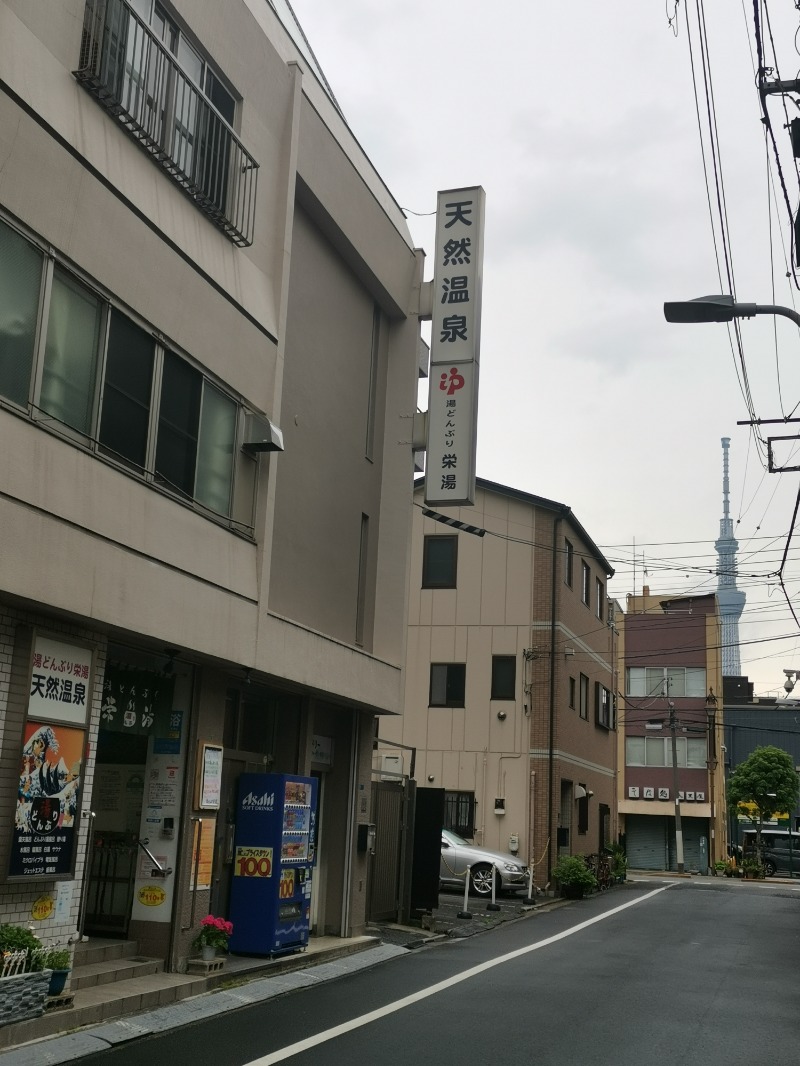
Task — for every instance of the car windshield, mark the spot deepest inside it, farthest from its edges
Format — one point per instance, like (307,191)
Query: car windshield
(453,838)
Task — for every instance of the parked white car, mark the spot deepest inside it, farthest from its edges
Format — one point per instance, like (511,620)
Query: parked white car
(458,854)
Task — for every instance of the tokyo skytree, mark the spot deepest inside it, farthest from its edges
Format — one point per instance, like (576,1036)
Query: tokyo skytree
(730,598)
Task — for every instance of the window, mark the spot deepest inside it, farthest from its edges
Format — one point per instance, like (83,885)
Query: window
(600,597)
(666,681)
(361,601)
(569,559)
(657,751)
(572,692)
(583,810)
(439,562)
(20,286)
(504,677)
(127,393)
(602,706)
(583,709)
(70,354)
(586,578)
(448,682)
(86,368)
(141,66)
(459,813)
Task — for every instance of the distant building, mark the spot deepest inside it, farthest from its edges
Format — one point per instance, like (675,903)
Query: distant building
(758,722)
(509,684)
(671,670)
(730,598)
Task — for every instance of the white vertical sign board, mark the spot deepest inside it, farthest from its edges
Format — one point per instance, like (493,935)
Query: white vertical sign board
(455,348)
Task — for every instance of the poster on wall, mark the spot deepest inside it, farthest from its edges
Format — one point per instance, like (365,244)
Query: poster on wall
(43,843)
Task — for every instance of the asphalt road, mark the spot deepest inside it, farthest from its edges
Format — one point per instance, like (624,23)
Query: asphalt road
(699,971)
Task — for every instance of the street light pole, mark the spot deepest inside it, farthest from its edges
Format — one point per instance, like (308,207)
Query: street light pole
(673,726)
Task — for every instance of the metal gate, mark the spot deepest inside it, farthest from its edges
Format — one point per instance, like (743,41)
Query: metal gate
(388,803)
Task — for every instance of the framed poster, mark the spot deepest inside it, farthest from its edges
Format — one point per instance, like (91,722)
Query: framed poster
(43,844)
(210,777)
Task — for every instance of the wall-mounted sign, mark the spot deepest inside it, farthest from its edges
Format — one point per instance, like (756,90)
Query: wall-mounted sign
(210,785)
(203,857)
(138,701)
(322,750)
(60,681)
(455,348)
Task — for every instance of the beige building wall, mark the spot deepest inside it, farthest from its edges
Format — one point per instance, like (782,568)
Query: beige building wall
(502,605)
(314,325)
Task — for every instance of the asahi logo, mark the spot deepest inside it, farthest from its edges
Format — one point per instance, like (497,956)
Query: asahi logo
(251,802)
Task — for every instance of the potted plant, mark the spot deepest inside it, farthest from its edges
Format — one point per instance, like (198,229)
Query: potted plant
(23,982)
(59,961)
(573,876)
(213,936)
(619,862)
(752,869)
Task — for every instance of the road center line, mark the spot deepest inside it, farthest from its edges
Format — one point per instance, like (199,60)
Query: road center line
(400,1004)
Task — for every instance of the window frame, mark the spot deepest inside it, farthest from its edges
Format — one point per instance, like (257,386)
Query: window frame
(583,697)
(456,670)
(427,581)
(498,691)
(569,561)
(90,438)
(572,691)
(600,596)
(586,583)
(650,687)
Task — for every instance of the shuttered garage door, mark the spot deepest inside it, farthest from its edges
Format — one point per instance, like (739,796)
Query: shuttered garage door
(647,842)
(650,842)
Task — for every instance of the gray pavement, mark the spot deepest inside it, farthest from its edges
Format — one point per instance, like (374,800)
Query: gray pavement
(243,990)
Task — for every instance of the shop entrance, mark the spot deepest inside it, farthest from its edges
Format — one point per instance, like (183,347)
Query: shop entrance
(117,798)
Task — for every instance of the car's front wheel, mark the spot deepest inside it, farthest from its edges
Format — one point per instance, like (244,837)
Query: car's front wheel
(481,879)
(769,868)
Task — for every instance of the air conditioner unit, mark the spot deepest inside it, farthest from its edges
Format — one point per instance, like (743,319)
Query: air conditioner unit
(260,435)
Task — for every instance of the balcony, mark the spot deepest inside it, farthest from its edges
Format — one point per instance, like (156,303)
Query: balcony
(141,85)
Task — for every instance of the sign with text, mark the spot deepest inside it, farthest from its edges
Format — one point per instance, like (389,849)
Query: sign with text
(60,681)
(455,348)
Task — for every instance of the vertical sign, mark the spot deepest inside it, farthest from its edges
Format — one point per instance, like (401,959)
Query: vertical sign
(455,348)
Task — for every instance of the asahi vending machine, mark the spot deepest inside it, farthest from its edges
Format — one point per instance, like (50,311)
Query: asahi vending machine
(274,852)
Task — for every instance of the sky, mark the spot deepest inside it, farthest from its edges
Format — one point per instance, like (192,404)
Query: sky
(580,121)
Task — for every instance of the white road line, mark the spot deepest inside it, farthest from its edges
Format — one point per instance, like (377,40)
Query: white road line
(400,1004)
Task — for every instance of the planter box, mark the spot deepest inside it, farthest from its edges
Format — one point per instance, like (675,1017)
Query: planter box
(23,996)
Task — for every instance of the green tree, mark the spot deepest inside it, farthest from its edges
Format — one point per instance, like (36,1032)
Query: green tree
(767,783)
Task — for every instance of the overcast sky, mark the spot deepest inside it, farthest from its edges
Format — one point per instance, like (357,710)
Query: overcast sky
(579,122)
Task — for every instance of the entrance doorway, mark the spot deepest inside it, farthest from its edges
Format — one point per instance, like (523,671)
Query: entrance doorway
(117,806)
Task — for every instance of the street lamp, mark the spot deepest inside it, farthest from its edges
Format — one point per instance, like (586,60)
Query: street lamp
(722,309)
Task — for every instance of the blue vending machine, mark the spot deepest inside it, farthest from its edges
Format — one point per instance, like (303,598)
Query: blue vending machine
(274,852)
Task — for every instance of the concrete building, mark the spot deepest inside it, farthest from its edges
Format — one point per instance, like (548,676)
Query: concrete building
(670,655)
(208,339)
(509,687)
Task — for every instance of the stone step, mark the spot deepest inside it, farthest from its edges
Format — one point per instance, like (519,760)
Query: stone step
(102,950)
(113,971)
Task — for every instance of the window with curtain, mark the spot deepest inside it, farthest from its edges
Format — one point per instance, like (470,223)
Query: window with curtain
(214,478)
(70,356)
(20,285)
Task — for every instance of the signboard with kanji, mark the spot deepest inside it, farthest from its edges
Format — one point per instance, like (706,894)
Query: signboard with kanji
(60,681)
(455,348)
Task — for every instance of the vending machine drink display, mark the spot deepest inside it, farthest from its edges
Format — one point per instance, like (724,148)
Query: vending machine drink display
(274,852)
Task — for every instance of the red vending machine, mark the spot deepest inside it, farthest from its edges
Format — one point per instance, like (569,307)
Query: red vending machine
(274,853)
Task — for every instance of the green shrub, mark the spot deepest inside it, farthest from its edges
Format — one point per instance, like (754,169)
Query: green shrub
(17,938)
(572,870)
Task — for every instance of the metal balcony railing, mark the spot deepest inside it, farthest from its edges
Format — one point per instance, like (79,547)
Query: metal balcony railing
(139,82)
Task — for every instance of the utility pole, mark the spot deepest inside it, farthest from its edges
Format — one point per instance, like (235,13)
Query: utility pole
(673,726)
